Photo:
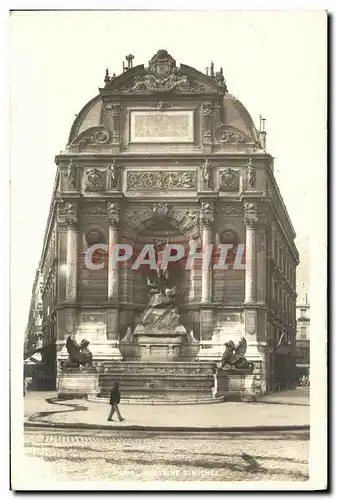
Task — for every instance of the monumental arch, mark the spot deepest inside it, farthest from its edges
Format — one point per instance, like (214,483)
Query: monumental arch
(165,153)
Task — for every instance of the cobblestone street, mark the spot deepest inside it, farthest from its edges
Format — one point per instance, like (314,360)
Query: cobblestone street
(152,456)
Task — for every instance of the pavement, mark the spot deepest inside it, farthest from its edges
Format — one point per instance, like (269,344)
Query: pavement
(62,457)
(286,410)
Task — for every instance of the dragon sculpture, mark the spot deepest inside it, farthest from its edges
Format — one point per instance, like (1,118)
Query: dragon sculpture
(234,356)
(79,354)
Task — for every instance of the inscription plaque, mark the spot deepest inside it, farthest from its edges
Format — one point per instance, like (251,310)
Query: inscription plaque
(161,126)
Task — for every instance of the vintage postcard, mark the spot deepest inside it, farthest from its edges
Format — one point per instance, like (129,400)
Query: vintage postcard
(168,173)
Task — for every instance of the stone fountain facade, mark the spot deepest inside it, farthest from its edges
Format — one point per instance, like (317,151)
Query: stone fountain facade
(166,152)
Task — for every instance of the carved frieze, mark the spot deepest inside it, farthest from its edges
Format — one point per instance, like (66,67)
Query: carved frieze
(229,180)
(232,135)
(161,180)
(136,214)
(95,180)
(94,210)
(234,210)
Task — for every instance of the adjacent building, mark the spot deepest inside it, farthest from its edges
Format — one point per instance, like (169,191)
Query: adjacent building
(303,339)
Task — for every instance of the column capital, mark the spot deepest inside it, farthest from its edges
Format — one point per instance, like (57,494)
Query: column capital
(113,215)
(207,213)
(255,215)
(71,223)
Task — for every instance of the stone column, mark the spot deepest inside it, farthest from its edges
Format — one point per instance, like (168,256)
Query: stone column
(250,274)
(206,219)
(113,270)
(72,257)
(206,313)
(113,284)
(255,349)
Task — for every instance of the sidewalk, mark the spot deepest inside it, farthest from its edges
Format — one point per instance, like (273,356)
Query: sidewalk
(219,416)
(299,396)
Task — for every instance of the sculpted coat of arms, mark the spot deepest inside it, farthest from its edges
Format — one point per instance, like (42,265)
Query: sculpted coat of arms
(162,75)
(95,180)
(229,180)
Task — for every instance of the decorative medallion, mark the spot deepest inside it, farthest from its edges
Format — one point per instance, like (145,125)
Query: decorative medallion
(102,137)
(229,180)
(95,180)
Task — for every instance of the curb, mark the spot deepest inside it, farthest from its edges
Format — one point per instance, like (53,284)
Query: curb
(158,402)
(80,426)
(280,403)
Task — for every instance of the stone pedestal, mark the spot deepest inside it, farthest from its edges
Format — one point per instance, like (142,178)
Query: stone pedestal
(77,383)
(159,345)
(230,384)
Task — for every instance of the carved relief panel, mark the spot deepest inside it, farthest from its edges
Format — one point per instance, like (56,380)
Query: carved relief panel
(159,179)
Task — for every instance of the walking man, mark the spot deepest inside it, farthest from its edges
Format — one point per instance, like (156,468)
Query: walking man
(115,398)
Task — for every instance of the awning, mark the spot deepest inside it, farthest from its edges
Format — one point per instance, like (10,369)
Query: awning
(29,354)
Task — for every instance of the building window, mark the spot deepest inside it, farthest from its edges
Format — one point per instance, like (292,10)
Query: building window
(303,333)
(303,313)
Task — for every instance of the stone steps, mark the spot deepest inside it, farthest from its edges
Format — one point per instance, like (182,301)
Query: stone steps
(162,380)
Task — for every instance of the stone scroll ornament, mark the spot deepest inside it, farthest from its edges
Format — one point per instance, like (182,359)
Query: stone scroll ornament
(231,135)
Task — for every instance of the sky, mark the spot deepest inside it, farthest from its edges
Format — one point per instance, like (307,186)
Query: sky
(273,61)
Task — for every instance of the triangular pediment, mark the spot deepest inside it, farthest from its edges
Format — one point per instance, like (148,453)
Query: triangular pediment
(163,76)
